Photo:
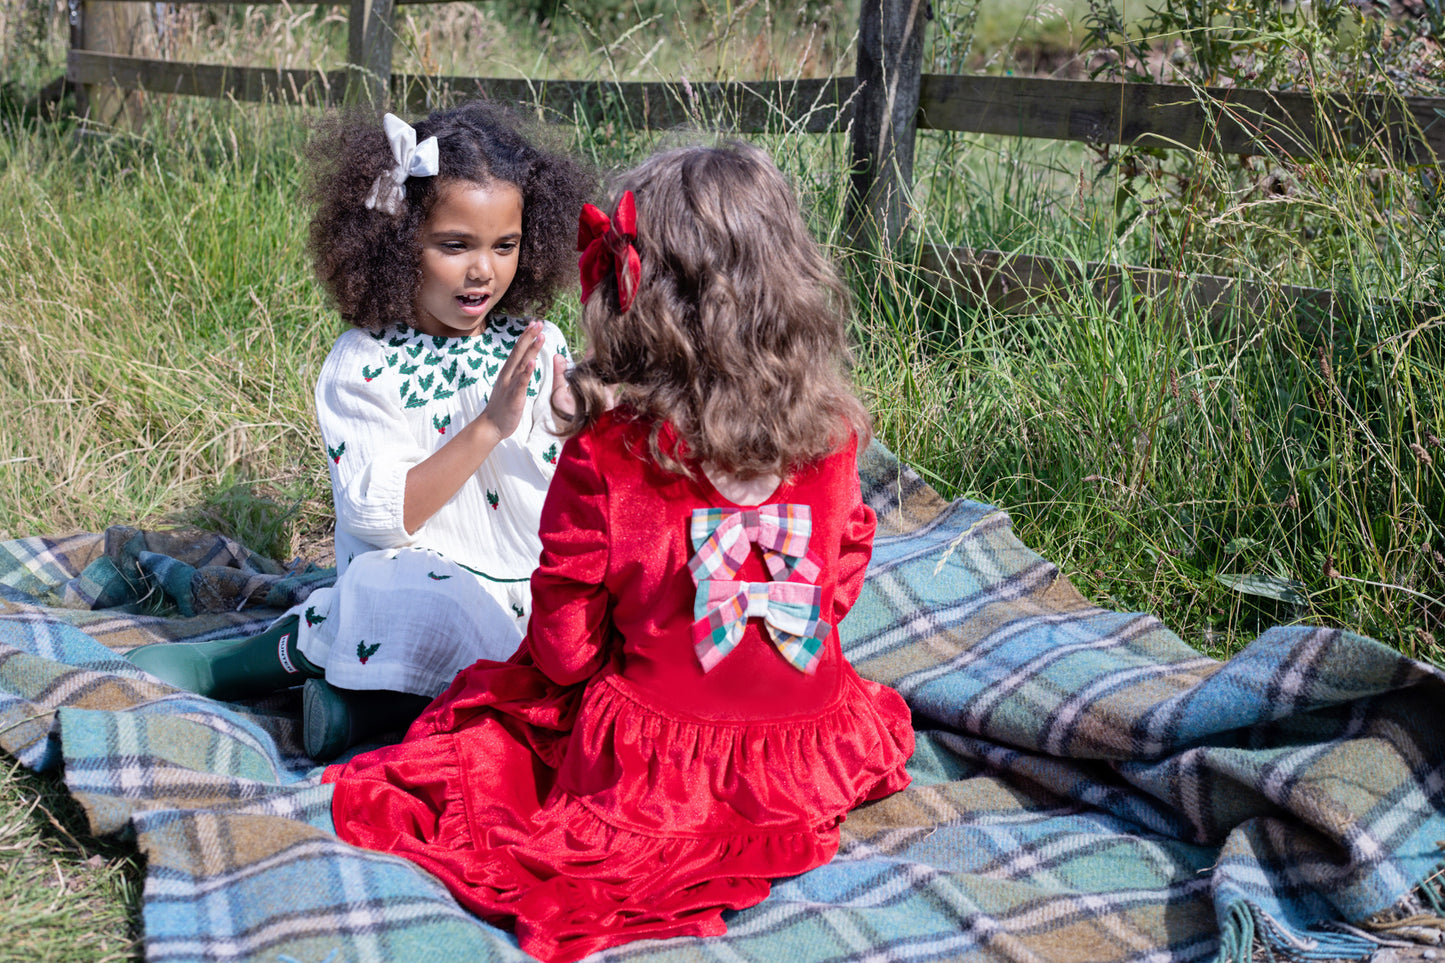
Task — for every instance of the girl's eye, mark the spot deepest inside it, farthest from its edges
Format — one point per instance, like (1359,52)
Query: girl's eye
(507,247)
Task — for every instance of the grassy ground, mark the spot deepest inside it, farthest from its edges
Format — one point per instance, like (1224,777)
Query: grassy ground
(63,895)
(161,335)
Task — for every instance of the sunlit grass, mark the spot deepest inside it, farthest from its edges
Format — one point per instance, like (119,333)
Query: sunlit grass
(162,334)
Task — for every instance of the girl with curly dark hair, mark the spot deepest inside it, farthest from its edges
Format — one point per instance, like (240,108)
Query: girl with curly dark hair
(680,726)
(436,413)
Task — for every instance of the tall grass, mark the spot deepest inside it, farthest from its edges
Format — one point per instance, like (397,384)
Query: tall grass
(161,334)
(164,333)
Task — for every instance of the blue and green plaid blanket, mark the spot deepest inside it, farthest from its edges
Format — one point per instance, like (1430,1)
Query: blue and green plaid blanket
(1087,787)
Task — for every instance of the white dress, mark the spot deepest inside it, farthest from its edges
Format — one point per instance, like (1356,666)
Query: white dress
(409,611)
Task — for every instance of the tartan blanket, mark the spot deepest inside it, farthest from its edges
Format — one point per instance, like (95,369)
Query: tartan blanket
(1087,787)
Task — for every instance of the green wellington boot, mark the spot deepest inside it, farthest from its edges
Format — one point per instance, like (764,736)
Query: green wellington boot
(333,720)
(231,668)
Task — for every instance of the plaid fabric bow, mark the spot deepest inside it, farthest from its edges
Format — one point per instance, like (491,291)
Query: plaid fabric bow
(606,244)
(723,537)
(790,607)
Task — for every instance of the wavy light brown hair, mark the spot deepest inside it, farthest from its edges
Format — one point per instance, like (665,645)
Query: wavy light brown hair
(370,261)
(737,336)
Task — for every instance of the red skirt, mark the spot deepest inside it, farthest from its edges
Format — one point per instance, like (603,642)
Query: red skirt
(585,817)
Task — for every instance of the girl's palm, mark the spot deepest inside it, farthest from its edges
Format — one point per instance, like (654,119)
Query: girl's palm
(509,392)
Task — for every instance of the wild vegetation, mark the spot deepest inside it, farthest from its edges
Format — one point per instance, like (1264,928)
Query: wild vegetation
(161,331)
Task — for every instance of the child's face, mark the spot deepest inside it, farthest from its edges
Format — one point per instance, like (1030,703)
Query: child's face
(469,247)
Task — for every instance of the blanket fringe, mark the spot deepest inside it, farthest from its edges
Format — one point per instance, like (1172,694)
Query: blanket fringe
(1236,936)
(1419,917)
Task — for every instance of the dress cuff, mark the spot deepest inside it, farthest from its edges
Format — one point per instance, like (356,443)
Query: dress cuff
(372,510)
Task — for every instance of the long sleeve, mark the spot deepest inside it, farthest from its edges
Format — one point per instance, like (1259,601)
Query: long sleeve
(368,441)
(569,598)
(855,550)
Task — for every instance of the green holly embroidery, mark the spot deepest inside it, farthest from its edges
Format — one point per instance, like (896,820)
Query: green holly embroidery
(550,455)
(492,498)
(312,618)
(336,452)
(518,610)
(437,578)
(441,424)
(364,651)
(419,365)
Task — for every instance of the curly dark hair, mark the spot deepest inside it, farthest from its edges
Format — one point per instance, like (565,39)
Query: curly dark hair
(737,336)
(370,261)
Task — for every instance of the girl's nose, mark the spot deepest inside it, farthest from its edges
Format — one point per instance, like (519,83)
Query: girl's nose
(480,270)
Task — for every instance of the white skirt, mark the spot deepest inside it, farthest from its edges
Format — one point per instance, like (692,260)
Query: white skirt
(408,620)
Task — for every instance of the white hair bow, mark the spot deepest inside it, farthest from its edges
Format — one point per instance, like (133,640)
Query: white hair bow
(412,160)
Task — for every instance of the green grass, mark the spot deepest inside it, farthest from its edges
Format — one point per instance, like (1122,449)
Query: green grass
(162,334)
(64,895)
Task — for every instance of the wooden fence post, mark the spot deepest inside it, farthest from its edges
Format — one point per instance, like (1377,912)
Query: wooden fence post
(368,52)
(885,117)
(116,28)
(76,10)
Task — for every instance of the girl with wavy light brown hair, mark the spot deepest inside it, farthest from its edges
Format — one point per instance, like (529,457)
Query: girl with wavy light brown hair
(737,336)
(680,726)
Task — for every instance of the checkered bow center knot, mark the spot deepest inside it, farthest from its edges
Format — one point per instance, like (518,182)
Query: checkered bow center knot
(790,606)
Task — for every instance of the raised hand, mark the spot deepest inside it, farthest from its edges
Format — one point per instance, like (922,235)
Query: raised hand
(430,484)
(509,392)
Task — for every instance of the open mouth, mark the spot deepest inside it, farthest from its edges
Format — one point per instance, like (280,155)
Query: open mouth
(472,300)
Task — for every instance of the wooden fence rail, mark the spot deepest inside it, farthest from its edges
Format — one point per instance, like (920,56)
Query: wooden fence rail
(1229,120)
(881,107)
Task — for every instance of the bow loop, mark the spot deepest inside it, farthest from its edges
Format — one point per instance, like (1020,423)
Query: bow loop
(721,538)
(606,245)
(412,160)
(790,612)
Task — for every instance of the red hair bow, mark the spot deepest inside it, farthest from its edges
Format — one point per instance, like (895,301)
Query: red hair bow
(606,244)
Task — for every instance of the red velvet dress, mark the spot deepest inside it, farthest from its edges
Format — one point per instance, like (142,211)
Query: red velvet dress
(601,787)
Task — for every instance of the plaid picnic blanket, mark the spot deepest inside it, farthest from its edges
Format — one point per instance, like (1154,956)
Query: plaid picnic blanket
(1087,787)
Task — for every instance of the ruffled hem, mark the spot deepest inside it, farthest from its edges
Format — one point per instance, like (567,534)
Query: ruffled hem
(639,824)
(570,884)
(653,772)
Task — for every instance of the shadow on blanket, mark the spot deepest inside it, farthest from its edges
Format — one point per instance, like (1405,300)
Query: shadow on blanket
(1087,787)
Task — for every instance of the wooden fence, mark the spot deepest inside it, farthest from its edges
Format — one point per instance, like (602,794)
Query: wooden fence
(882,106)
